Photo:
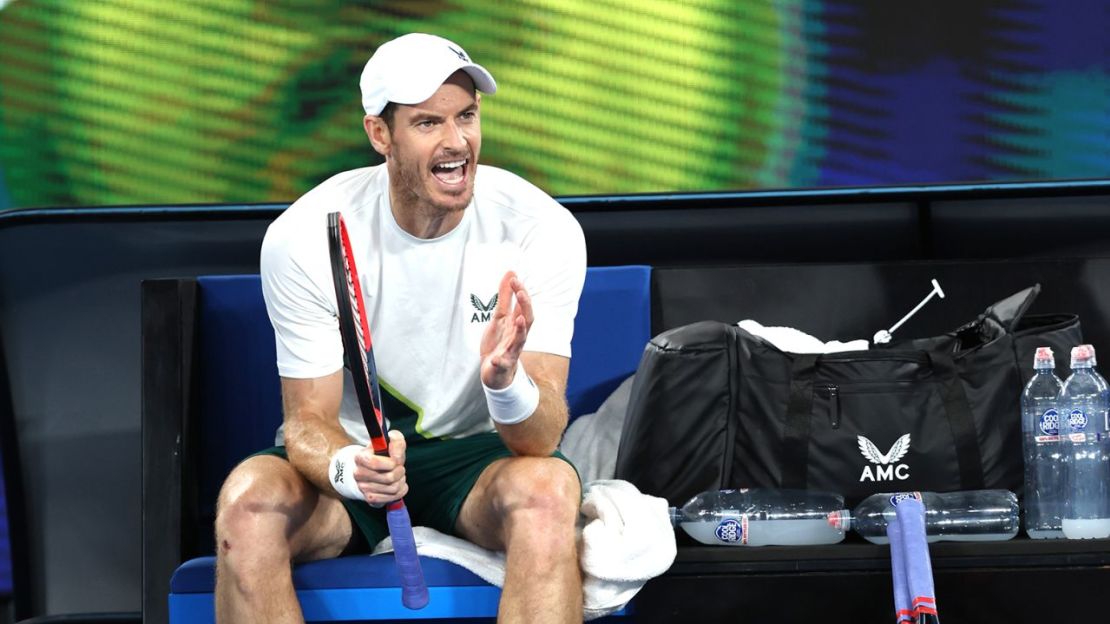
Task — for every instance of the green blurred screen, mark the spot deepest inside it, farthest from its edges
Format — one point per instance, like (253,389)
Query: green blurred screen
(205,101)
(147,101)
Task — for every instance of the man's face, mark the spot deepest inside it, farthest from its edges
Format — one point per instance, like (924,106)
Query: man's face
(432,149)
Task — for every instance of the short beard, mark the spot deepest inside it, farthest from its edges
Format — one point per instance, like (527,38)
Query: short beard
(407,182)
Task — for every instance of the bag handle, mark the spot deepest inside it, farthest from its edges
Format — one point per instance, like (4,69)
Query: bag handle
(795,436)
(957,409)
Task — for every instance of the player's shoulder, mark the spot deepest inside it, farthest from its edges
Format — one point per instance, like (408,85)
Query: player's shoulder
(348,191)
(504,183)
(511,194)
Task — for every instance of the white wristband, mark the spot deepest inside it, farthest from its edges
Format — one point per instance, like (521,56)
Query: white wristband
(341,472)
(513,403)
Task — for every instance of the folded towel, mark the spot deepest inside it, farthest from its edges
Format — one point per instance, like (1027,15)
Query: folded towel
(626,539)
(791,340)
(487,564)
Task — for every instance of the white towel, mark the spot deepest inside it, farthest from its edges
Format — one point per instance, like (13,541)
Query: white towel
(626,539)
(591,440)
(792,340)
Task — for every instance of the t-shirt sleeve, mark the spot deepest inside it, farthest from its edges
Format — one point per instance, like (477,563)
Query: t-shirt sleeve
(553,271)
(296,284)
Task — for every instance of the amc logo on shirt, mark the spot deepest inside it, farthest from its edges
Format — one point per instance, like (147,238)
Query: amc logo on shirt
(484,310)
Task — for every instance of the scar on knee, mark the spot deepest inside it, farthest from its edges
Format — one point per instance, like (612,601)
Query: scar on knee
(225,545)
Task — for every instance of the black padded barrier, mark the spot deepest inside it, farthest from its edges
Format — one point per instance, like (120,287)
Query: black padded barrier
(850,301)
(168,344)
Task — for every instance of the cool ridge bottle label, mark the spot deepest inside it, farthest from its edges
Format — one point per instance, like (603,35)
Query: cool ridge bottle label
(1077,422)
(1049,426)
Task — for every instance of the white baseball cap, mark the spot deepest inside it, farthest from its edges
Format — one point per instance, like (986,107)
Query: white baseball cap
(409,69)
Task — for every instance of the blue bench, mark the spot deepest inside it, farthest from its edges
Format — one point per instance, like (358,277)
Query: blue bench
(216,329)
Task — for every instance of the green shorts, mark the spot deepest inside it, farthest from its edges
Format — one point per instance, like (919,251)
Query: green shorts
(440,475)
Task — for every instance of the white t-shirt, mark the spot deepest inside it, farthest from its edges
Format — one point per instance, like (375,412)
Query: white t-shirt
(428,301)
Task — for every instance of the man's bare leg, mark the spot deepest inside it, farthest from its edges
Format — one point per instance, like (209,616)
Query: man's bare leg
(528,506)
(268,516)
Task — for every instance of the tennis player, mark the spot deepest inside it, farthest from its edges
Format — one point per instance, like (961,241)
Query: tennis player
(472,278)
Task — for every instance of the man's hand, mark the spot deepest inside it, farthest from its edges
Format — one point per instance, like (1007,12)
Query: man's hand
(504,337)
(381,479)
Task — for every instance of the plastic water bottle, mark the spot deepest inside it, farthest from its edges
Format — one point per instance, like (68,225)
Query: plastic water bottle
(760,517)
(1040,426)
(970,516)
(1086,452)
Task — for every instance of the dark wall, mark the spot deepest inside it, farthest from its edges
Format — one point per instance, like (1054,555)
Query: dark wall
(69,318)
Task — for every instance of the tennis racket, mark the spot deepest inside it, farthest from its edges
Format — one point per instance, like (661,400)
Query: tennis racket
(359,349)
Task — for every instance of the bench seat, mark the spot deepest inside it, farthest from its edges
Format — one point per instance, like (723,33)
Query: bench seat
(234,385)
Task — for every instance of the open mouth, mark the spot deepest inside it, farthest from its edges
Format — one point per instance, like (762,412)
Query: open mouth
(451,172)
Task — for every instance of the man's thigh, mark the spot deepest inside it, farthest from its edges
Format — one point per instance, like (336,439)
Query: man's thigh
(441,474)
(267,486)
(508,482)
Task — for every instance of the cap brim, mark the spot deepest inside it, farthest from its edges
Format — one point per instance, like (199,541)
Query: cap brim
(483,80)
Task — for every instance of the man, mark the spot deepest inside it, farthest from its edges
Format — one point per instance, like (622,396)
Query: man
(472,278)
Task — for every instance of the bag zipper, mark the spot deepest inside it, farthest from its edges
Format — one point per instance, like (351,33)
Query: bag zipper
(832,393)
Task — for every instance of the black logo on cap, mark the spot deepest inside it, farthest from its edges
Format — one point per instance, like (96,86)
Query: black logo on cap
(459,53)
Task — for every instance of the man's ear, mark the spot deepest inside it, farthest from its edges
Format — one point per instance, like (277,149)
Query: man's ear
(378,133)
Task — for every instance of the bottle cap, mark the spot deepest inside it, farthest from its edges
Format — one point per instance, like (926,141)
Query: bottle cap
(1044,358)
(1083,356)
(841,519)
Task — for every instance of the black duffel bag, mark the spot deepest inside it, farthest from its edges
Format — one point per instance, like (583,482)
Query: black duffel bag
(715,407)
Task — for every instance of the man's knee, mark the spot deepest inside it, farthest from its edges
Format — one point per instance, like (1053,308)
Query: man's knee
(258,504)
(546,489)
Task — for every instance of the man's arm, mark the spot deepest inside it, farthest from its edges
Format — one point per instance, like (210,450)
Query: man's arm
(313,436)
(502,355)
(539,434)
(312,431)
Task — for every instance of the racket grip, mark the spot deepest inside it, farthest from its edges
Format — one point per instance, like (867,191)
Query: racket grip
(919,567)
(414,592)
(903,613)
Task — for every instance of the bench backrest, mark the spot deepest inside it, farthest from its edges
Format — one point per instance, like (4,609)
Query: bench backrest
(239,397)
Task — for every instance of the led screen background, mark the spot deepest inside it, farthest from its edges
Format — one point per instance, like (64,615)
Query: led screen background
(212,101)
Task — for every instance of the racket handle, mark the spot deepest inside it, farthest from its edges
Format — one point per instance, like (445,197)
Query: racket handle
(414,592)
(903,613)
(919,567)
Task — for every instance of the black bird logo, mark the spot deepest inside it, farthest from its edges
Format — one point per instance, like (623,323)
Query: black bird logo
(484,307)
(459,53)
